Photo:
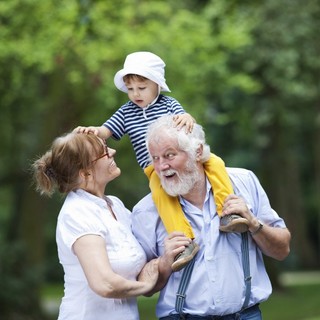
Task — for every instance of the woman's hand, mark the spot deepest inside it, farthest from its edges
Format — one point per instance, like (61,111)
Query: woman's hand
(149,274)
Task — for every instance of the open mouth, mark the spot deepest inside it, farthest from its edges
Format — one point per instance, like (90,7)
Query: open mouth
(169,174)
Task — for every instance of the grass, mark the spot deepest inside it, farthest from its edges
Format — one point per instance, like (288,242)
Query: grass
(296,302)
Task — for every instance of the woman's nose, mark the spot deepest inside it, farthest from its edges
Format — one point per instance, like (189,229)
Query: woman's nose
(111,152)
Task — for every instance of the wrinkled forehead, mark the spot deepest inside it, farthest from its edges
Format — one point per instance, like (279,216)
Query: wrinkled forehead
(161,142)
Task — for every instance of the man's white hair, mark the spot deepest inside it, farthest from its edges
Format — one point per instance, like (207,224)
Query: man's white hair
(187,142)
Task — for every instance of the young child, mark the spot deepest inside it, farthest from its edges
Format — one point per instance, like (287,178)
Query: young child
(142,78)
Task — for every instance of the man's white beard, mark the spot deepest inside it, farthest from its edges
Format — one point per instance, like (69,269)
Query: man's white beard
(186,180)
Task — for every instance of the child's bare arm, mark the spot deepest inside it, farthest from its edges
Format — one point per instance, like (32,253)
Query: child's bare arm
(102,132)
(186,120)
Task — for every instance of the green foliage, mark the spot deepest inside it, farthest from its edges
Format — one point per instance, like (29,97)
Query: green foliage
(18,281)
(247,71)
(59,59)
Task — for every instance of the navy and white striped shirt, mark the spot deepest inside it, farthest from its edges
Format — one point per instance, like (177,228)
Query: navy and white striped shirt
(133,120)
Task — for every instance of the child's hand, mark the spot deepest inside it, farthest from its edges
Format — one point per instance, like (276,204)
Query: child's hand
(86,130)
(186,120)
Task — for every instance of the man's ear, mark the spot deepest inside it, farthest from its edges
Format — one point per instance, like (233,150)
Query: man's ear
(199,152)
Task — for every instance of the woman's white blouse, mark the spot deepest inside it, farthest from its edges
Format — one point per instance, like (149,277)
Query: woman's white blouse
(81,214)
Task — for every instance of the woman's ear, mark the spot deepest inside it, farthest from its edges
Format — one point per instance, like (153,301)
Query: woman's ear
(84,174)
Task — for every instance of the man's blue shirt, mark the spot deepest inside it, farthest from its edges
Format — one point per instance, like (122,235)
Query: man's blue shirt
(217,284)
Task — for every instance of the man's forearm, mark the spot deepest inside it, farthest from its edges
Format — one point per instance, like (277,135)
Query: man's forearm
(273,242)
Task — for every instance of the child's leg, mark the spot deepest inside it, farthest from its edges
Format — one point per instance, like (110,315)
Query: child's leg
(219,180)
(169,208)
(222,187)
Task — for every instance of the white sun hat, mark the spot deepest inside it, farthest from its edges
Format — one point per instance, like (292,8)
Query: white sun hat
(144,64)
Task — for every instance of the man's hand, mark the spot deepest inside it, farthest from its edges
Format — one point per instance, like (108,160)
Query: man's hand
(236,205)
(174,244)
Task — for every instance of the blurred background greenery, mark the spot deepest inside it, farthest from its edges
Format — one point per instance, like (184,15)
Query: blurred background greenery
(248,71)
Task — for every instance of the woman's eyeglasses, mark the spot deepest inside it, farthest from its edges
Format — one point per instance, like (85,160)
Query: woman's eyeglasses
(105,154)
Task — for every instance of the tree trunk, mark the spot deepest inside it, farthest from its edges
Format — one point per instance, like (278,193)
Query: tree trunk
(283,180)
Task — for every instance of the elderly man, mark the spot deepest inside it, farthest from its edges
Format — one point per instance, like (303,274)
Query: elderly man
(228,279)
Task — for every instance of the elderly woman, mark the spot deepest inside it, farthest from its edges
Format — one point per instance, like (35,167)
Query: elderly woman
(105,267)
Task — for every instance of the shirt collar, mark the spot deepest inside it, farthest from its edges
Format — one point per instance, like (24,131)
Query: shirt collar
(97,200)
